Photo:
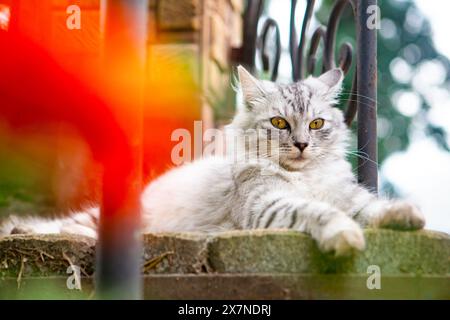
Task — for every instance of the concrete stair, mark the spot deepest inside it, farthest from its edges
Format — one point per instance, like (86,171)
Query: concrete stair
(258,264)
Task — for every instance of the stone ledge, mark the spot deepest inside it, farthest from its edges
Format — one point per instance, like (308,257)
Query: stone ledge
(243,286)
(424,253)
(418,253)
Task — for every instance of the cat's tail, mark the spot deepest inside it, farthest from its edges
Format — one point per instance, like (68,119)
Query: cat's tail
(81,223)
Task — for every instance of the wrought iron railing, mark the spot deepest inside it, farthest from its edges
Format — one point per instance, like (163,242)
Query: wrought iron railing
(363,96)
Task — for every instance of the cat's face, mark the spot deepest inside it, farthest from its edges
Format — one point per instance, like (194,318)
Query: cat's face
(301,116)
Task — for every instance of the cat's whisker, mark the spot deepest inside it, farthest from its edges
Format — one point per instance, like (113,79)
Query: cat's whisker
(362,153)
(362,157)
(363,103)
(359,150)
(359,95)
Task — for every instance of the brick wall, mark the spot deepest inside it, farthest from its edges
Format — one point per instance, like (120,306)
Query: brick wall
(205,31)
(200,31)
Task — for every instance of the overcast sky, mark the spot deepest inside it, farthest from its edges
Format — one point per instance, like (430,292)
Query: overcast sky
(423,172)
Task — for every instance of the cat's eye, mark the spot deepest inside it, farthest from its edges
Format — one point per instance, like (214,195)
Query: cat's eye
(317,124)
(279,123)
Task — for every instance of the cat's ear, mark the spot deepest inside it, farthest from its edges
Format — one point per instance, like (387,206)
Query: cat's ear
(252,89)
(333,80)
(327,86)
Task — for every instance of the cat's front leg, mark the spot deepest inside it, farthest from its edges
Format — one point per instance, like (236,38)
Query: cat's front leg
(333,230)
(390,214)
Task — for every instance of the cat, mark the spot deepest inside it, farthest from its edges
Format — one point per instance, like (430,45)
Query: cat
(310,187)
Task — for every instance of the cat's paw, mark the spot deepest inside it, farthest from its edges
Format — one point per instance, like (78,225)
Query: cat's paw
(21,230)
(342,236)
(12,226)
(401,215)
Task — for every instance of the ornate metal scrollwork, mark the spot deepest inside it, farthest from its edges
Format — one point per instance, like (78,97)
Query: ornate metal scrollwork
(362,99)
(270,24)
(324,35)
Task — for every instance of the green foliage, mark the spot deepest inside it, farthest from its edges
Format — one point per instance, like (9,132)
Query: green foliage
(415,47)
(413,44)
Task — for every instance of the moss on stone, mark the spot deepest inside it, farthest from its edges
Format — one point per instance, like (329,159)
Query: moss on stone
(236,252)
(45,255)
(395,252)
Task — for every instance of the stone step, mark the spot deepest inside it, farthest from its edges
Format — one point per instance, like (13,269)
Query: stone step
(242,264)
(242,286)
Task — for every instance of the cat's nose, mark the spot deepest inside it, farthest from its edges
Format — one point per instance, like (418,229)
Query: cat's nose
(301,145)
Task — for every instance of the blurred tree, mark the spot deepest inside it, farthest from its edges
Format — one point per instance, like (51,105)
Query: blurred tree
(405,45)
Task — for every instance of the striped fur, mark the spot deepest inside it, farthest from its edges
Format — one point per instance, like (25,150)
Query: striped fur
(313,190)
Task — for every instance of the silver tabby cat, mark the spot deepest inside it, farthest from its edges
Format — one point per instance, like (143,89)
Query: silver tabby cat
(309,188)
